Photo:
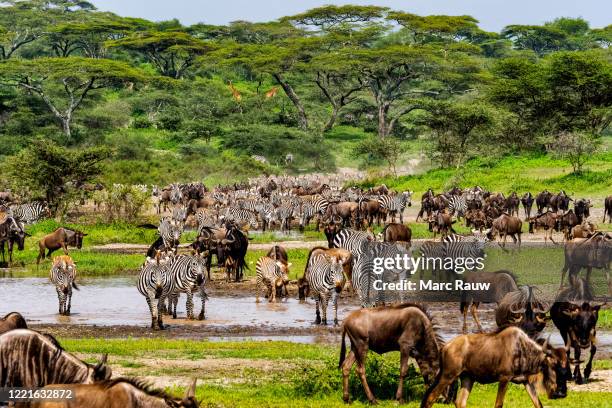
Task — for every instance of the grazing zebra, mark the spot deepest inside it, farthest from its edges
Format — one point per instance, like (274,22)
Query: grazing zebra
(325,277)
(273,274)
(62,275)
(30,212)
(155,284)
(170,232)
(392,204)
(457,205)
(240,216)
(187,272)
(316,205)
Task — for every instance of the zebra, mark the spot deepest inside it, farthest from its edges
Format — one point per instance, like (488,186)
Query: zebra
(267,215)
(179,213)
(273,274)
(170,232)
(351,240)
(187,273)
(392,204)
(62,275)
(453,247)
(155,284)
(29,213)
(312,206)
(457,205)
(325,277)
(285,211)
(204,219)
(259,158)
(176,194)
(240,216)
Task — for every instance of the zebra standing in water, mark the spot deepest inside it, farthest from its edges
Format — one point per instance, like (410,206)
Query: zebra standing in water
(325,277)
(392,204)
(457,205)
(62,275)
(155,284)
(187,272)
(29,213)
(273,274)
(170,232)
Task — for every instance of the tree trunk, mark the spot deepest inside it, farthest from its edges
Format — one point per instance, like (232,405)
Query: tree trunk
(66,127)
(295,99)
(383,129)
(332,119)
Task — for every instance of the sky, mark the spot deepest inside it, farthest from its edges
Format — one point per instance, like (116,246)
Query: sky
(492,14)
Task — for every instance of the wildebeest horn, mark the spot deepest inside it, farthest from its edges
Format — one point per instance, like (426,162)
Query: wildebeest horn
(191,390)
(517,311)
(102,361)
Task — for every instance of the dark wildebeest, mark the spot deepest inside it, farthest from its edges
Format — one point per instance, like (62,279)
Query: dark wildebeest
(608,209)
(12,231)
(60,238)
(500,284)
(406,327)
(427,204)
(566,222)
(441,222)
(543,201)
(527,201)
(347,211)
(31,359)
(505,356)
(330,230)
(12,321)
(233,247)
(370,211)
(582,208)
(546,221)
(207,242)
(505,225)
(522,308)
(395,232)
(116,393)
(593,252)
(560,202)
(380,190)
(512,204)
(576,318)
(476,218)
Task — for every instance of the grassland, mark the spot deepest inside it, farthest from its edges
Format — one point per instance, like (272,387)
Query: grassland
(275,373)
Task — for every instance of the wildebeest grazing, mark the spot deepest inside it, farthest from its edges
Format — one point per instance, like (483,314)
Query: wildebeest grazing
(116,393)
(62,275)
(32,359)
(505,356)
(60,238)
(576,318)
(406,327)
(12,321)
(500,283)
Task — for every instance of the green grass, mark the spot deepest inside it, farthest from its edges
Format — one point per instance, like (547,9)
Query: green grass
(513,173)
(284,386)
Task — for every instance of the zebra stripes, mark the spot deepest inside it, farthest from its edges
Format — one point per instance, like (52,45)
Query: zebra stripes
(30,212)
(457,205)
(325,277)
(453,247)
(352,240)
(170,232)
(271,273)
(311,206)
(187,273)
(240,216)
(395,204)
(155,284)
(62,275)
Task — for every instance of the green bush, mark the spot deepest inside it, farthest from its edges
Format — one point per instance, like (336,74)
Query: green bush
(169,121)
(141,122)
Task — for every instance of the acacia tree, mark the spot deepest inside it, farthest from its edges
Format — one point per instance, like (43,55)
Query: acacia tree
(575,147)
(63,83)
(171,52)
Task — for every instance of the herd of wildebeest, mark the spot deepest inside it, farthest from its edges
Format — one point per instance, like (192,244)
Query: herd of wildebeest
(225,217)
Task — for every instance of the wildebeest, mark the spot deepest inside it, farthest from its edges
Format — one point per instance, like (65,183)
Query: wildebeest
(394,232)
(427,204)
(207,243)
(566,222)
(505,356)
(60,238)
(560,202)
(546,221)
(370,211)
(584,230)
(441,222)
(505,225)
(32,359)
(512,204)
(330,230)
(500,283)
(12,232)
(608,209)
(576,318)
(234,245)
(593,252)
(406,327)
(527,201)
(582,208)
(12,321)
(116,393)
(522,308)
(476,219)
(543,201)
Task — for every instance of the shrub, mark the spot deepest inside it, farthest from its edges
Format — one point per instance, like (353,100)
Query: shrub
(122,202)
(169,121)
(141,122)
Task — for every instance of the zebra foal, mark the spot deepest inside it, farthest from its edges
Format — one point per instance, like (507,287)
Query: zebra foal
(273,274)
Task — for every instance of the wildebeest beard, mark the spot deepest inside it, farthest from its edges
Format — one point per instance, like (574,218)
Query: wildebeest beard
(32,359)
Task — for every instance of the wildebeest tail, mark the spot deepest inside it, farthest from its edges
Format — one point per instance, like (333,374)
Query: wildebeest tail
(342,349)
(147,226)
(74,285)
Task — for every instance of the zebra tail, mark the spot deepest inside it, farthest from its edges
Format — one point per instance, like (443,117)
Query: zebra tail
(74,285)
(342,349)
